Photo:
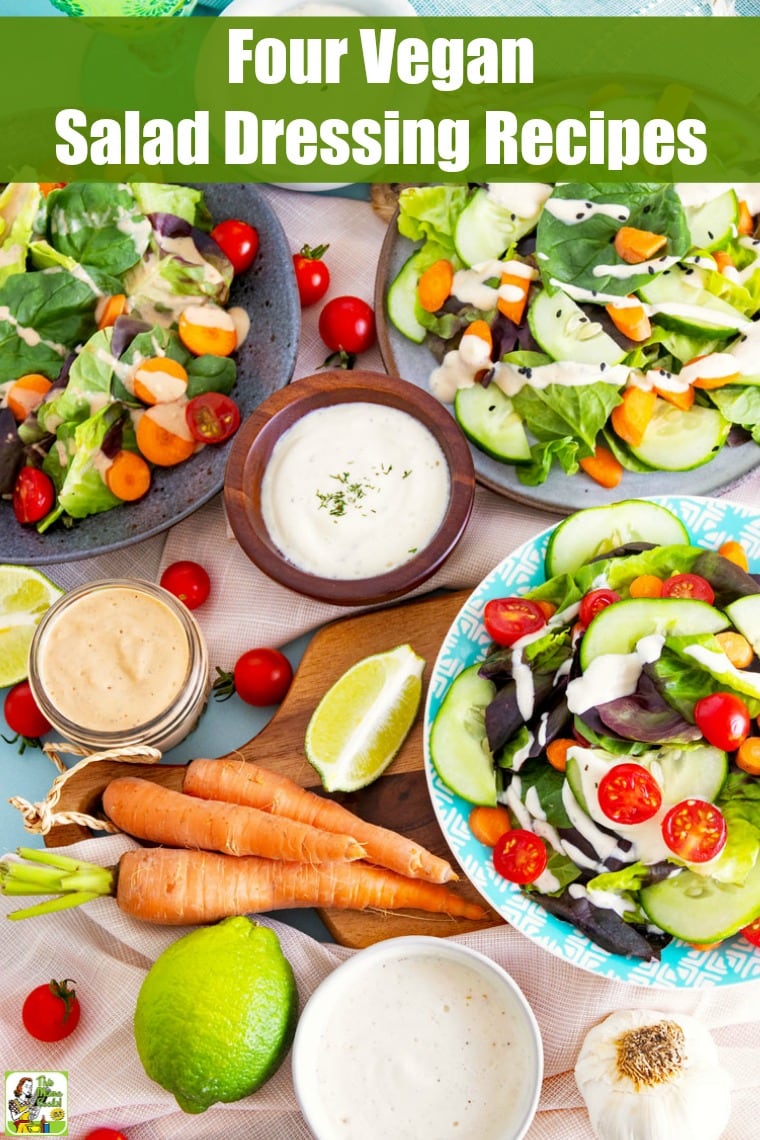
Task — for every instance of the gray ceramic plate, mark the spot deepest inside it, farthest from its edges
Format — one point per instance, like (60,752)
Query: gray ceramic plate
(265,363)
(560,492)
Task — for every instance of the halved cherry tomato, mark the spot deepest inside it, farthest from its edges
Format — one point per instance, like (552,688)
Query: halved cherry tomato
(238,241)
(520,856)
(723,719)
(212,417)
(312,275)
(33,495)
(694,830)
(629,793)
(508,619)
(752,932)
(688,586)
(593,602)
(188,581)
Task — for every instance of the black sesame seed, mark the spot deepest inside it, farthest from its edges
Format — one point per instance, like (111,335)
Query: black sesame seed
(580,216)
(558,314)
(711,235)
(646,209)
(650,270)
(602,366)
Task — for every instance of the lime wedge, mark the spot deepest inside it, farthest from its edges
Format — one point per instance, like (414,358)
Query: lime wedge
(363,719)
(25,594)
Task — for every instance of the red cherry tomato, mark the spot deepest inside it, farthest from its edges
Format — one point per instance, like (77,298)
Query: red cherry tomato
(312,275)
(628,794)
(520,856)
(508,619)
(593,602)
(688,586)
(723,719)
(238,241)
(33,495)
(262,677)
(347,324)
(22,714)
(51,1012)
(752,932)
(212,417)
(105,1134)
(188,581)
(694,830)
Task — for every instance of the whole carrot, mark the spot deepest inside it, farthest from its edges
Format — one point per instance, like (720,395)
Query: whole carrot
(187,887)
(243,782)
(146,810)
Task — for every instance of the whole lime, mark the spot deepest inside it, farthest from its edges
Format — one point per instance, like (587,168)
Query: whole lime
(216,1013)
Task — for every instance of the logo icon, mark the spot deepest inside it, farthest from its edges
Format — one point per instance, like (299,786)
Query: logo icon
(36,1103)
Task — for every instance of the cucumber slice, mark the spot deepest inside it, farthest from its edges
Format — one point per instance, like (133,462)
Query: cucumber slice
(486,229)
(745,616)
(488,419)
(600,529)
(714,223)
(677,440)
(458,746)
(699,909)
(682,303)
(564,331)
(401,301)
(618,627)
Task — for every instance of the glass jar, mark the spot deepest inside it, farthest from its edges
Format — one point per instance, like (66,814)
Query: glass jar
(120,662)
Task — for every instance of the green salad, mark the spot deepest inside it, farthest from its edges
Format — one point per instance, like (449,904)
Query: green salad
(593,327)
(614,721)
(114,342)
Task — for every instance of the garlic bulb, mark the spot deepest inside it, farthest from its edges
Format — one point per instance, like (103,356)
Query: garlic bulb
(653,1076)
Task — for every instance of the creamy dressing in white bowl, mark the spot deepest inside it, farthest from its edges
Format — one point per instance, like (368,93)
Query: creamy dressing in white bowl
(418,1037)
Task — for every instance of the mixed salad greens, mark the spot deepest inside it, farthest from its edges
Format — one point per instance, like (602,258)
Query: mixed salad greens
(614,717)
(111,298)
(599,327)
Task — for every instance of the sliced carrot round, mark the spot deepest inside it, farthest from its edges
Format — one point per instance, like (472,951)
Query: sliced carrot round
(734,552)
(434,285)
(208,329)
(557,750)
(27,393)
(128,477)
(736,648)
(163,436)
(159,380)
(110,309)
(488,824)
(646,586)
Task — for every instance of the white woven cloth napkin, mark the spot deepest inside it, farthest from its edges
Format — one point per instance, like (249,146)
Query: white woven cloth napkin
(108,954)
(246,609)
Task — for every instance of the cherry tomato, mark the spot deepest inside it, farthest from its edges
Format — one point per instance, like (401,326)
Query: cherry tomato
(520,856)
(694,830)
(212,417)
(238,241)
(22,714)
(628,793)
(312,275)
(752,932)
(723,720)
(33,495)
(688,586)
(347,324)
(261,677)
(593,602)
(105,1134)
(188,581)
(508,619)
(51,1012)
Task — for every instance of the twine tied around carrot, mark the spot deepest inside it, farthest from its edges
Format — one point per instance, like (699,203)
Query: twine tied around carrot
(40,817)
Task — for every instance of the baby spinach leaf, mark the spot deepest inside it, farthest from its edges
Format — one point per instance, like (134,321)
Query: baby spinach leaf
(98,224)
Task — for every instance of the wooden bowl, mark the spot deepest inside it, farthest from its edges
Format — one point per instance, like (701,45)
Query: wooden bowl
(252,448)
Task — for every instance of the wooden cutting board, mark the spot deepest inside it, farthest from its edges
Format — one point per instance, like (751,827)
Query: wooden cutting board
(399,799)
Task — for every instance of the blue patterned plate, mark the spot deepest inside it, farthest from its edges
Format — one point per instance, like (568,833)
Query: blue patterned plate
(710,522)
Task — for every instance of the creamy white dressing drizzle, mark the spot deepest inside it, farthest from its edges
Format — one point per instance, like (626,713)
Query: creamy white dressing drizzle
(573,211)
(718,663)
(625,270)
(524,198)
(522,754)
(354,490)
(606,900)
(612,675)
(30,336)
(469,285)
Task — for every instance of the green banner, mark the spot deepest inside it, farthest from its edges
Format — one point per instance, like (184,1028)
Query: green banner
(353,99)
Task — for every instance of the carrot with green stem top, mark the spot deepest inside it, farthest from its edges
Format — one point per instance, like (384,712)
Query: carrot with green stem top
(146,810)
(243,782)
(179,887)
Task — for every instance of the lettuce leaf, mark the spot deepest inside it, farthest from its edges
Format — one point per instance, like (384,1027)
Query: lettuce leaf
(167,198)
(431,213)
(19,203)
(98,224)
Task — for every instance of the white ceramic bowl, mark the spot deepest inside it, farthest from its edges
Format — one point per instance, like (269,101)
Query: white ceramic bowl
(378,8)
(417,1037)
